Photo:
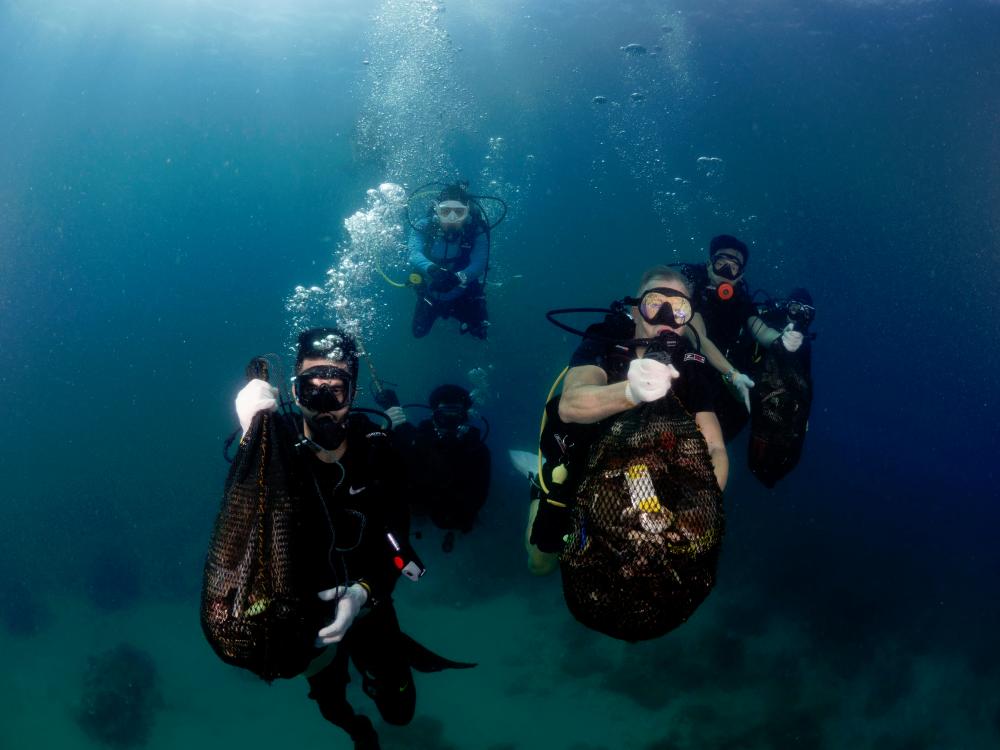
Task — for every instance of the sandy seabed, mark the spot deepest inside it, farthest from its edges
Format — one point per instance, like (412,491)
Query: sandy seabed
(543,682)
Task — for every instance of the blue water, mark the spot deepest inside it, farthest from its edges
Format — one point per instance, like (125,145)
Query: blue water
(169,172)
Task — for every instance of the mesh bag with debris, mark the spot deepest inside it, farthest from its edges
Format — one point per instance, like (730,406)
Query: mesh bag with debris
(648,525)
(254,609)
(780,404)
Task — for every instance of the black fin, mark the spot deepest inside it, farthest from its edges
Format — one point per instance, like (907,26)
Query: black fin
(423,659)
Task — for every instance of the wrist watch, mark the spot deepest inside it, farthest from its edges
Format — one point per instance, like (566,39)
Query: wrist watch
(370,601)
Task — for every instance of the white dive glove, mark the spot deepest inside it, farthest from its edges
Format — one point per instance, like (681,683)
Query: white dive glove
(791,339)
(350,600)
(648,380)
(257,395)
(397,415)
(742,384)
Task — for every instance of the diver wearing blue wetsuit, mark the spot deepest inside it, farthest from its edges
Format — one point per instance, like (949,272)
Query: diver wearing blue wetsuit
(450,251)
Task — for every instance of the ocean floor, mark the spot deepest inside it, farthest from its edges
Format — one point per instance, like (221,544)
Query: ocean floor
(733,677)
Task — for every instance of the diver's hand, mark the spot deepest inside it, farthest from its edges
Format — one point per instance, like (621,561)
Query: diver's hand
(256,396)
(743,384)
(396,415)
(350,600)
(442,280)
(648,380)
(791,339)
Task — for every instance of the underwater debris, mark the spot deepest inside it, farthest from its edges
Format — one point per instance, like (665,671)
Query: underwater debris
(120,697)
(599,100)
(634,50)
(637,96)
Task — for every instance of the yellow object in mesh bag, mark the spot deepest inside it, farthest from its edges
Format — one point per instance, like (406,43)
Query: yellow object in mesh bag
(641,490)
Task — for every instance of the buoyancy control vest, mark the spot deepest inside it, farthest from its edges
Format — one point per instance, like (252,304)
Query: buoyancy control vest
(475,226)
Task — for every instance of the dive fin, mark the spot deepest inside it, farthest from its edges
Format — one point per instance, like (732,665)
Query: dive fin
(423,659)
(526,463)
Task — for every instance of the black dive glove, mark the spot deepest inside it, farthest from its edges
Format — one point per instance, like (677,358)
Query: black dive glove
(442,280)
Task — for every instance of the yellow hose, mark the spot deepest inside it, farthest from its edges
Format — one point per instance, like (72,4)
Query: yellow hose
(545,418)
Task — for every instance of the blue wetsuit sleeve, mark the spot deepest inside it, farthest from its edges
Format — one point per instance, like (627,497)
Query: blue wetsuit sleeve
(478,257)
(416,246)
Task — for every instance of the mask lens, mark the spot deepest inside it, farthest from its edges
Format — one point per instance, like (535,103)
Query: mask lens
(449,416)
(800,312)
(323,388)
(659,306)
(727,266)
(452,211)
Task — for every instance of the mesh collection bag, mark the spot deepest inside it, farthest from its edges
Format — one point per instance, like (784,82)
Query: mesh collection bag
(647,526)
(254,610)
(779,404)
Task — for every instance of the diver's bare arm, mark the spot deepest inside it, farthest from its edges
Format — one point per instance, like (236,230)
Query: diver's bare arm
(762,331)
(712,353)
(708,423)
(587,397)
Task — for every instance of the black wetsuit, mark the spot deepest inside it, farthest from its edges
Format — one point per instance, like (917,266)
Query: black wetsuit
(727,327)
(448,472)
(692,387)
(362,499)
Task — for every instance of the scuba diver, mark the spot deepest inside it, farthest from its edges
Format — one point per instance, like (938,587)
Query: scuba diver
(728,324)
(632,464)
(447,459)
(351,544)
(449,250)
(782,398)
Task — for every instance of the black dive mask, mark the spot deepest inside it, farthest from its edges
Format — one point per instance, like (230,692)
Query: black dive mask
(662,306)
(727,267)
(800,314)
(326,431)
(450,416)
(324,388)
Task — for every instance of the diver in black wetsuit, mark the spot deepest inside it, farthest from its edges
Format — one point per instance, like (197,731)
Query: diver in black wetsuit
(609,374)
(729,326)
(448,462)
(355,534)
(781,400)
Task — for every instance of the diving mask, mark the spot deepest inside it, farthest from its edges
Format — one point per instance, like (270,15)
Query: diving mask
(662,306)
(727,266)
(450,416)
(800,312)
(451,212)
(323,388)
